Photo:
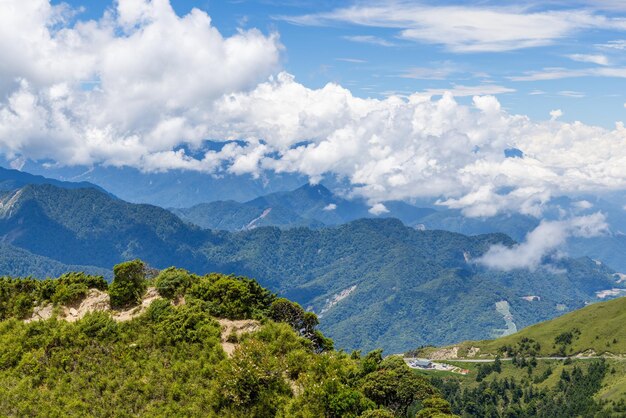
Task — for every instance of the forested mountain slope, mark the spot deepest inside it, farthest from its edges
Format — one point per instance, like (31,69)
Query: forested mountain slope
(369,279)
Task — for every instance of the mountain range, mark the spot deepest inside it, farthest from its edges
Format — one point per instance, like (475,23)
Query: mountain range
(315,206)
(374,282)
(309,205)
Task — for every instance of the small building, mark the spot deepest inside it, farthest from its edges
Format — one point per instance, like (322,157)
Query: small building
(422,363)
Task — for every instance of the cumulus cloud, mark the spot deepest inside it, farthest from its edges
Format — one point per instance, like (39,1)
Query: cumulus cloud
(378,209)
(143,87)
(129,86)
(542,241)
(555,114)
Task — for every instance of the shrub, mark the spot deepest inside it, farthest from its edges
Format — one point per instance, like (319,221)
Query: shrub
(232,297)
(129,284)
(173,282)
(188,323)
(67,294)
(305,323)
(98,325)
(22,306)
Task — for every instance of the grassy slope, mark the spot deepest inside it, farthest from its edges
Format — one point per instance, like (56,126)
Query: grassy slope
(601,328)
(604,320)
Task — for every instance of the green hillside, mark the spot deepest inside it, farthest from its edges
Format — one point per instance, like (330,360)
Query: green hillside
(597,329)
(89,227)
(170,357)
(19,262)
(574,365)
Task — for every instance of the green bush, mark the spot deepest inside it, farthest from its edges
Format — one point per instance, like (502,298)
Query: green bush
(129,284)
(305,323)
(173,282)
(169,361)
(98,325)
(232,297)
(67,294)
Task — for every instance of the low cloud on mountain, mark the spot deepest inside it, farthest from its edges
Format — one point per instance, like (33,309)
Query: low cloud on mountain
(543,241)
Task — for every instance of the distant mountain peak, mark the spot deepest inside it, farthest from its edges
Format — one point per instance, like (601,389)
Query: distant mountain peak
(319,189)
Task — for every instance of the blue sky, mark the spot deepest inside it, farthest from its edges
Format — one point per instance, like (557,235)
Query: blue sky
(373,58)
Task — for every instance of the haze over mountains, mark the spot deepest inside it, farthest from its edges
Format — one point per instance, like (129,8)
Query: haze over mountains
(374,282)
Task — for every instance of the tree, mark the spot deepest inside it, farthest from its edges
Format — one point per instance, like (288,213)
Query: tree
(129,284)
(283,310)
(497,365)
(435,408)
(395,386)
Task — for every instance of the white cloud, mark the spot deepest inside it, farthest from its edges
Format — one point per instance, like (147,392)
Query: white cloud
(619,44)
(555,114)
(478,90)
(330,206)
(559,73)
(467,28)
(369,39)
(594,59)
(572,94)
(439,71)
(378,209)
(150,74)
(542,241)
(351,60)
(583,204)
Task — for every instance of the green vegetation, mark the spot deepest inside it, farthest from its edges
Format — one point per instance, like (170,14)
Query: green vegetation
(232,297)
(169,361)
(571,392)
(18,262)
(19,296)
(523,384)
(173,282)
(593,330)
(129,284)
